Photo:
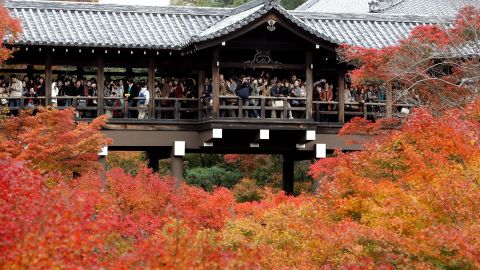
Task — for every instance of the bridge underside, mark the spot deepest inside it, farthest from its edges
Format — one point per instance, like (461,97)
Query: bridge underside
(224,136)
(294,140)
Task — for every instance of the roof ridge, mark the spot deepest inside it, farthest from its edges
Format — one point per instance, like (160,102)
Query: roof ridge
(375,5)
(373,17)
(307,4)
(248,5)
(96,7)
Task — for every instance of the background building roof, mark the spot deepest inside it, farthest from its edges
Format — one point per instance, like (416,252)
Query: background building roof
(407,7)
(335,6)
(426,7)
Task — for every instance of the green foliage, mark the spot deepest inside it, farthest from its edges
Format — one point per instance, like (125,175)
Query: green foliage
(291,4)
(130,162)
(268,171)
(247,190)
(203,160)
(210,178)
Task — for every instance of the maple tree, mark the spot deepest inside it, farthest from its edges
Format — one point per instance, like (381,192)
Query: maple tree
(409,200)
(52,141)
(10,30)
(436,65)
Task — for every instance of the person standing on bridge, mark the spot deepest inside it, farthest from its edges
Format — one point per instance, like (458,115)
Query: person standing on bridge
(130,93)
(144,99)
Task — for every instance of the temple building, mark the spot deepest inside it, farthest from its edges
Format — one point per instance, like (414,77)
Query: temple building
(203,48)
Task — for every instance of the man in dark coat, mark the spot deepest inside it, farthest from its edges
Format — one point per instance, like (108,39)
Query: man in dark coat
(130,92)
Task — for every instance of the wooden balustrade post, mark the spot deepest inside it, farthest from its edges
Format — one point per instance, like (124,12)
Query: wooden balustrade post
(285,108)
(201,88)
(240,108)
(48,79)
(389,101)
(176,113)
(125,115)
(151,87)
(100,84)
(341,96)
(309,84)
(216,81)
(262,104)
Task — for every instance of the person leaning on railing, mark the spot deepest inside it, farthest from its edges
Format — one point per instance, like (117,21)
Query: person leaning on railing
(15,91)
(143,101)
(255,102)
(3,94)
(130,92)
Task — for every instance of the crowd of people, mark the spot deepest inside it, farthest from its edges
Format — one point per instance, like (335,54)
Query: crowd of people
(281,92)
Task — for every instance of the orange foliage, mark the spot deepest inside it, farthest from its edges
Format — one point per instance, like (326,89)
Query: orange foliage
(52,141)
(434,64)
(410,200)
(10,29)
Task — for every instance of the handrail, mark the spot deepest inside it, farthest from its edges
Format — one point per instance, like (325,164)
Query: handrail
(191,108)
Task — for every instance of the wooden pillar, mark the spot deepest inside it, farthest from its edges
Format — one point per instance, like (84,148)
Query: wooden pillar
(100,84)
(389,101)
(30,71)
(341,95)
(287,175)
(176,168)
(153,160)
(48,79)
(216,81)
(79,72)
(309,83)
(201,88)
(129,72)
(151,87)
(102,172)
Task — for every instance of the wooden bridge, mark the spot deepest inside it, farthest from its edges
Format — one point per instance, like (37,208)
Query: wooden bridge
(196,43)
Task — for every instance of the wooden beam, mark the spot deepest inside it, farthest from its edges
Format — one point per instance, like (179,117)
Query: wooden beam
(265,45)
(151,87)
(216,81)
(100,84)
(309,83)
(260,66)
(341,96)
(48,79)
(389,101)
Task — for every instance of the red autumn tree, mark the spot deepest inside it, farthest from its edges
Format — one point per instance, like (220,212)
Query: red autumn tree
(410,200)
(52,142)
(10,30)
(437,65)
(413,192)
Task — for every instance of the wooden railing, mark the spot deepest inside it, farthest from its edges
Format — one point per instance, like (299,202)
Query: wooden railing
(262,107)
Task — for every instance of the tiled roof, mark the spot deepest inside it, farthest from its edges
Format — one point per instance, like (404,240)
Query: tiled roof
(425,7)
(367,30)
(86,24)
(111,26)
(245,16)
(335,6)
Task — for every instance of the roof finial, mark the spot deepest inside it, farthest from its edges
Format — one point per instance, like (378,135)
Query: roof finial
(373,6)
(272,2)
